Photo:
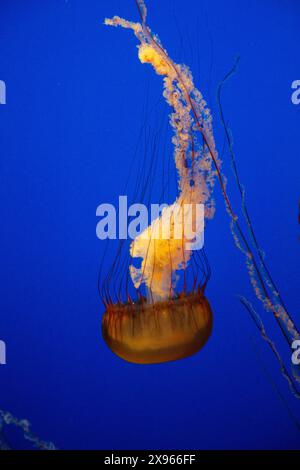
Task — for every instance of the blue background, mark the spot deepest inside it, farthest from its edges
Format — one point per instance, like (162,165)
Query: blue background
(75,99)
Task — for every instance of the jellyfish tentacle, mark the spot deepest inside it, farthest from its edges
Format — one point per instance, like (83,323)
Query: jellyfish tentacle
(6,418)
(260,326)
(142,10)
(261,256)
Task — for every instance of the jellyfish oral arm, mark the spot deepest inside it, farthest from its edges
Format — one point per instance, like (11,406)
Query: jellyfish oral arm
(195,173)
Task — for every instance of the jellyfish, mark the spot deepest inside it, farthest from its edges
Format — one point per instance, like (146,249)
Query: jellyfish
(166,325)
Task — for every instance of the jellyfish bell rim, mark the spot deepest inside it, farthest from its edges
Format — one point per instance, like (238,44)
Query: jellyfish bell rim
(146,333)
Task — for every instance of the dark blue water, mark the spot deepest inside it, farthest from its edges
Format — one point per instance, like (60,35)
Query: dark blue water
(75,100)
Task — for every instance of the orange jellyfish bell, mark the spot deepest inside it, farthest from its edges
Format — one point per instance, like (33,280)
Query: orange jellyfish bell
(158,332)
